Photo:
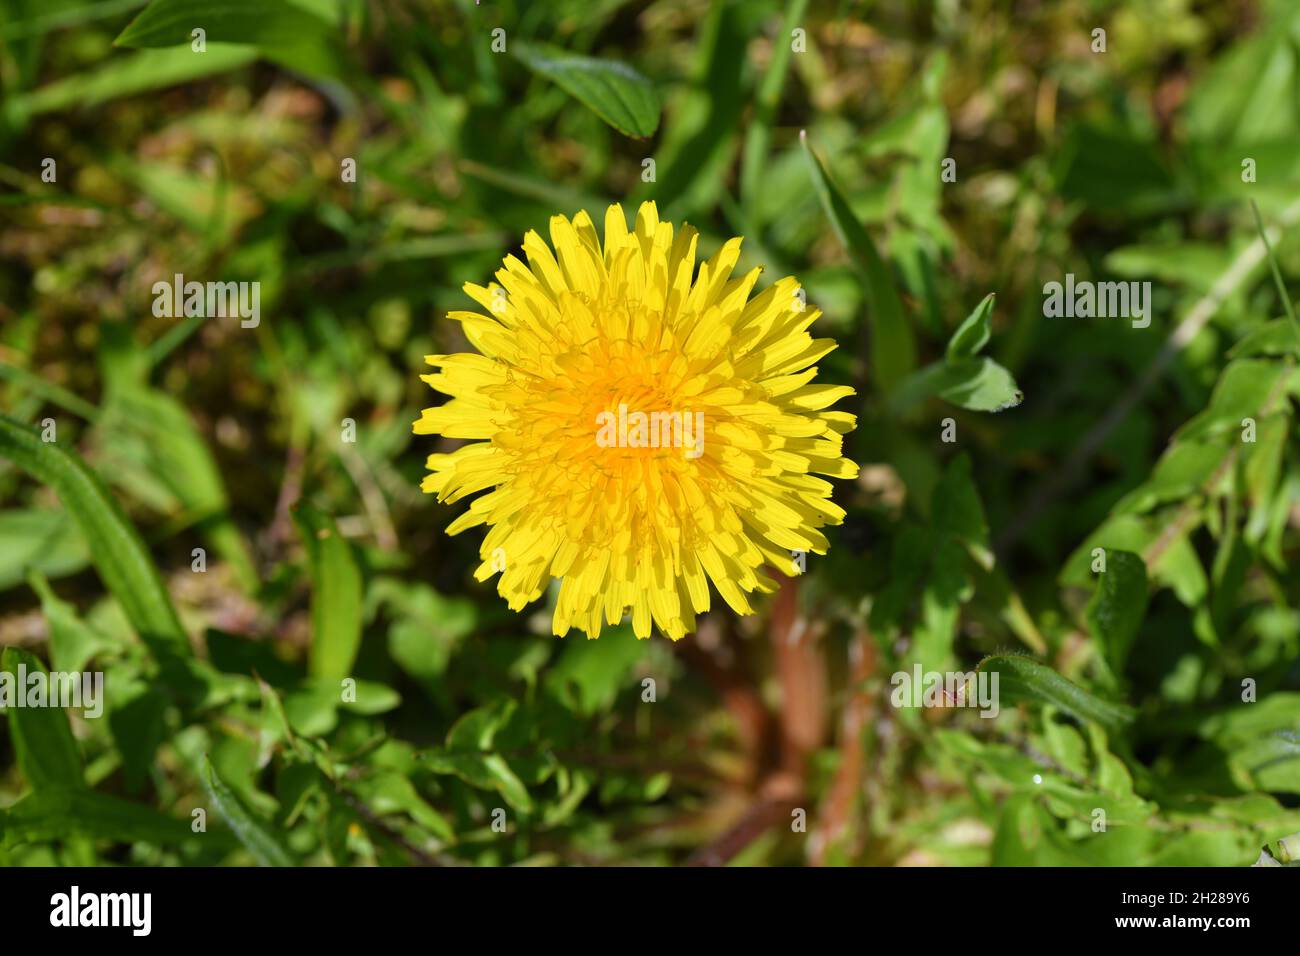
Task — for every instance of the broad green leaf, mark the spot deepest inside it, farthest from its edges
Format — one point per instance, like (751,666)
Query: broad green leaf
(1270,763)
(313,706)
(1181,472)
(981,385)
(468,754)
(42,737)
(336,595)
(115,546)
(1221,847)
(589,674)
(956,508)
(391,792)
(1075,791)
(72,642)
(372,698)
(614,91)
(973,334)
(977,384)
(313,709)
(908,563)
(486,771)
(1023,679)
(476,729)
(282,31)
(39,539)
(1273,712)
(1245,95)
(138,722)
(1178,567)
(1026,835)
(1118,606)
(893,350)
(1243,387)
(257,835)
(426,627)
(947,588)
(1276,337)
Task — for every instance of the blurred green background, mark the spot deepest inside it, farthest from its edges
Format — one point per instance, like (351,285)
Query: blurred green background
(471,735)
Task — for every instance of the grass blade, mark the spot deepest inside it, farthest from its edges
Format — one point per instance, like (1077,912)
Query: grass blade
(1023,679)
(254,833)
(893,352)
(59,814)
(282,31)
(1277,274)
(125,76)
(118,553)
(336,595)
(42,736)
(759,134)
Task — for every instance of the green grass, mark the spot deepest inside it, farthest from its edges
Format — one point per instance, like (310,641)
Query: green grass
(293,646)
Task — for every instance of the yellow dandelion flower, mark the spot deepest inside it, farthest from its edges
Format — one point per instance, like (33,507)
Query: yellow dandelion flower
(640,430)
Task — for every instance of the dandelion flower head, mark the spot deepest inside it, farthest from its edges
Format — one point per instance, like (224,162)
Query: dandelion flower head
(637,429)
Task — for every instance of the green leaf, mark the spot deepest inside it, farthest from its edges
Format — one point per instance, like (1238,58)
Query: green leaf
(978,384)
(957,510)
(973,334)
(981,385)
(59,814)
(42,737)
(468,754)
(163,431)
(487,771)
(1179,474)
(72,642)
(1118,606)
(427,627)
(1276,337)
(893,353)
(589,674)
(1262,469)
(1023,679)
(614,91)
(371,698)
(336,595)
(138,722)
(254,833)
(390,792)
(477,729)
(115,546)
(313,706)
(39,539)
(282,31)
(1241,392)
(125,76)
